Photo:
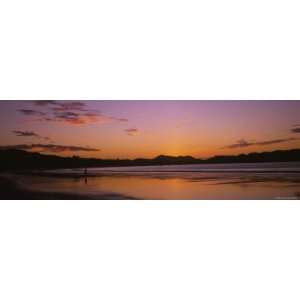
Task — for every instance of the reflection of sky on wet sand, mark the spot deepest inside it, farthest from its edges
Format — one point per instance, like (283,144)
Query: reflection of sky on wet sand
(176,185)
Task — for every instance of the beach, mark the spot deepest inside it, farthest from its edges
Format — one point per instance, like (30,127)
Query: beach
(190,182)
(10,189)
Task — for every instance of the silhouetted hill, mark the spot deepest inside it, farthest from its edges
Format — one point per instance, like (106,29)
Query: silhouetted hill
(165,159)
(23,160)
(274,156)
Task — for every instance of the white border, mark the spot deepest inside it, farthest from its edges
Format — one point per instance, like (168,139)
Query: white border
(149,50)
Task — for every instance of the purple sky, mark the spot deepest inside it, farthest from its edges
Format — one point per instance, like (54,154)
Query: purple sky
(129,129)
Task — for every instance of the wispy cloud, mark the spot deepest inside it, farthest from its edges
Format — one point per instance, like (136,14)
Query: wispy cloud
(75,118)
(48,148)
(25,133)
(122,119)
(70,105)
(31,112)
(239,144)
(278,141)
(61,105)
(21,133)
(244,143)
(132,131)
(70,112)
(296,129)
(44,102)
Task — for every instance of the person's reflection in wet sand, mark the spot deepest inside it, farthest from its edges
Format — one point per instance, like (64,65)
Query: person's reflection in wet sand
(85,175)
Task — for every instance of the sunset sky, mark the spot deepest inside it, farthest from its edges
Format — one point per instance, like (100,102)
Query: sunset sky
(132,129)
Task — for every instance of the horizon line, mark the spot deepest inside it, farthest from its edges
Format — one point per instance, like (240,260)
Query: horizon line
(153,158)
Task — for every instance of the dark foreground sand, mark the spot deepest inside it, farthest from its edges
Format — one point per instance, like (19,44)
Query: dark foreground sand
(11,190)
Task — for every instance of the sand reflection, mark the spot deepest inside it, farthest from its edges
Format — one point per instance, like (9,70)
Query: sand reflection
(176,185)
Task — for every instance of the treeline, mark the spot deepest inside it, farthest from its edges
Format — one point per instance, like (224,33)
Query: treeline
(23,160)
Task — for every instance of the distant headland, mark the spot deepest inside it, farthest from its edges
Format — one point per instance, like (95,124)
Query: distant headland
(13,159)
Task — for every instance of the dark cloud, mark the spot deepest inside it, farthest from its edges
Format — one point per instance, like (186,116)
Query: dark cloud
(80,118)
(243,143)
(61,105)
(25,133)
(239,144)
(80,106)
(45,102)
(123,120)
(132,131)
(30,134)
(31,112)
(295,130)
(67,116)
(71,112)
(278,141)
(48,148)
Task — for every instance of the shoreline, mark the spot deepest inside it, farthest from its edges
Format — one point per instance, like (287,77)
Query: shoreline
(10,189)
(17,186)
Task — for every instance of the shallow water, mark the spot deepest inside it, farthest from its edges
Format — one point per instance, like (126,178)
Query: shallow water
(219,181)
(238,167)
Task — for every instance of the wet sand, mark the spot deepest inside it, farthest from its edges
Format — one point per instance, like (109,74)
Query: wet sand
(179,185)
(150,185)
(11,190)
